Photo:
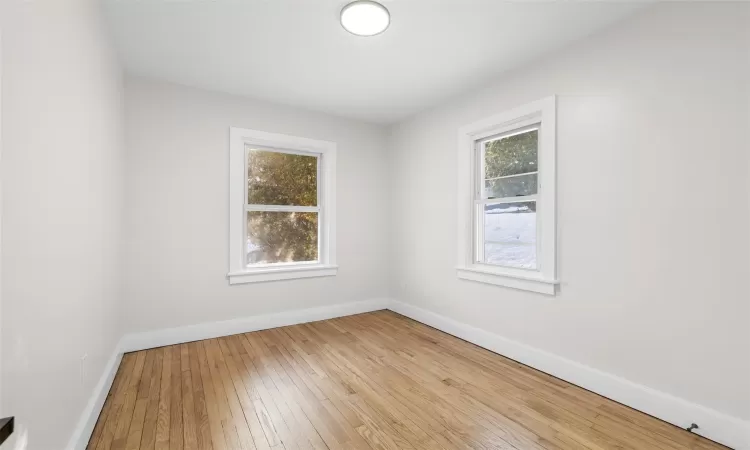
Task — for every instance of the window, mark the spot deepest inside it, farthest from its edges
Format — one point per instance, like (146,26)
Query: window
(282,207)
(507,199)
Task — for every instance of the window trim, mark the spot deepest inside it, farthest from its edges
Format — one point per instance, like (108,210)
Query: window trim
(239,272)
(544,279)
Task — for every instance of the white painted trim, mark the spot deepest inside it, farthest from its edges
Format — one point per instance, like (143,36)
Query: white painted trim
(326,208)
(541,112)
(282,208)
(170,336)
(717,426)
(87,422)
(533,282)
(264,274)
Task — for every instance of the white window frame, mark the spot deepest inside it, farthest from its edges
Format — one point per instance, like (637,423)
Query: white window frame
(239,271)
(544,278)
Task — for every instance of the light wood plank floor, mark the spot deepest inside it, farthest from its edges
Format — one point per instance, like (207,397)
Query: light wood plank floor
(372,381)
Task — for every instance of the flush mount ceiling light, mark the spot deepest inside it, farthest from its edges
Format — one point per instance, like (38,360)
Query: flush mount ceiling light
(365,18)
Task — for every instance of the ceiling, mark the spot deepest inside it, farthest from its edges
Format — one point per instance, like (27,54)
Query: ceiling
(295,52)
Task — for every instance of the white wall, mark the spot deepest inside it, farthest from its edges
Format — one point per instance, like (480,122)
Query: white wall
(61,174)
(653,206)
(176,215)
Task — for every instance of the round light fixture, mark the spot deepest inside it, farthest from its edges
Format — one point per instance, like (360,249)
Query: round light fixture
(365,18)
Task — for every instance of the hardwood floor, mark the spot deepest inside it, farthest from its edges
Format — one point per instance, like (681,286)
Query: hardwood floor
(371,381)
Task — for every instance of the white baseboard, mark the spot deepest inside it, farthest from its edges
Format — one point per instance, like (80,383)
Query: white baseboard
(86,423)
(717,426)
(169,336)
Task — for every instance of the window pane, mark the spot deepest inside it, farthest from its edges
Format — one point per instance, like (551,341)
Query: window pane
(275,178)
(510,235)
(281,237)
(511,155)
(513,186)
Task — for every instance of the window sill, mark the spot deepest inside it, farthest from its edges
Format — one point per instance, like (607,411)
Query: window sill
(532,282)
(264,274)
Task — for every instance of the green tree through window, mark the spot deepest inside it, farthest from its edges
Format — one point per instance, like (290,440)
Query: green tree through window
(282,179)
(509,156)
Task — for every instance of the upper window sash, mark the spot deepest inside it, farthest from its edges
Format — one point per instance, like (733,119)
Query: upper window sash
(480,164)
(297,208)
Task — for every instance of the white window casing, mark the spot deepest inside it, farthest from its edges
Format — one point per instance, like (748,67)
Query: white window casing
(239,270)
(539,115)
